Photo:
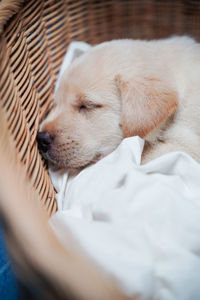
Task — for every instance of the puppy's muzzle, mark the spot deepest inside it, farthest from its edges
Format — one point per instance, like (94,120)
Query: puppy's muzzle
(44,140)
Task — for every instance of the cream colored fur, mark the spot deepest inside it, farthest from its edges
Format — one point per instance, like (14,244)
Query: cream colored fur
(124,88)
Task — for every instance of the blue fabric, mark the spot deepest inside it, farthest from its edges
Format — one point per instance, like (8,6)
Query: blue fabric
(8,285)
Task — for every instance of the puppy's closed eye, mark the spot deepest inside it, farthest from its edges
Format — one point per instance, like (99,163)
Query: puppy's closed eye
(88,106)
(82,107)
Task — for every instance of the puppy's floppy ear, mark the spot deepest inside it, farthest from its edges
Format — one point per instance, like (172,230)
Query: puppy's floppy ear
(146,103)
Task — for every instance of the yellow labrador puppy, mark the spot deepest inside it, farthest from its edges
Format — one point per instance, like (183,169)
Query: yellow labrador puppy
(125,88)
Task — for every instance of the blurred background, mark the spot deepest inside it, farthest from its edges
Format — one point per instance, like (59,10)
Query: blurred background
(9,289)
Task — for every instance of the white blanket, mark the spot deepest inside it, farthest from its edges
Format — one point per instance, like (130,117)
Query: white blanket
(141,224)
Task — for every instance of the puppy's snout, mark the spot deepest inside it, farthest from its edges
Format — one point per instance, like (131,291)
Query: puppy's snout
(44,140)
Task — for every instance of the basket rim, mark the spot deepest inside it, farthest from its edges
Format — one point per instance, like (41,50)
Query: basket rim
(8,8)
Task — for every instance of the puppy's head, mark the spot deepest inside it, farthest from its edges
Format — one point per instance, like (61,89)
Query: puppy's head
(95,108)
(85,124)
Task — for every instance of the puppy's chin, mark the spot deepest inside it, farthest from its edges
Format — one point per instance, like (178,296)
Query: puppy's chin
(72,164)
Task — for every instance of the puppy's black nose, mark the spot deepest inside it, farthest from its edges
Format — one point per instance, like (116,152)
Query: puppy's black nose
(44,140)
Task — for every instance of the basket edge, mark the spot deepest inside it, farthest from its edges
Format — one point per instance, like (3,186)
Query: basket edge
(8,8)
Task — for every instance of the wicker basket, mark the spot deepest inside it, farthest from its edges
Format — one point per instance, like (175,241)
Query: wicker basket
(34,36)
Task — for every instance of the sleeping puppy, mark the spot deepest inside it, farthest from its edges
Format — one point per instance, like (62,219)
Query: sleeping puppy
(126,88)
